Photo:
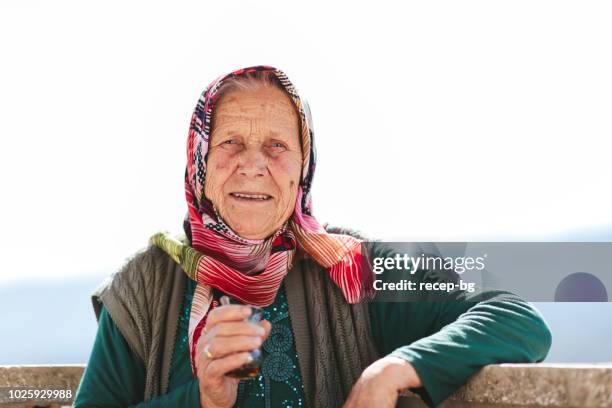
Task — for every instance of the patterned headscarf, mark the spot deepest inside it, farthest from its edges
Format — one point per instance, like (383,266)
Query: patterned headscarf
(251,270)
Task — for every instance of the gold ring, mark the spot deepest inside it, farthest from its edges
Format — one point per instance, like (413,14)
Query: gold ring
(207,352)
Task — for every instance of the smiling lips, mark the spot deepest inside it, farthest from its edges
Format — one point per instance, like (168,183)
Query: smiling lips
(253,197)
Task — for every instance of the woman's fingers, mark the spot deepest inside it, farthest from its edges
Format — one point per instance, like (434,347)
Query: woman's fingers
(267,326)
(221,366)
(222,346)
(261,328)
(236,329)
(232,337)
(227,313)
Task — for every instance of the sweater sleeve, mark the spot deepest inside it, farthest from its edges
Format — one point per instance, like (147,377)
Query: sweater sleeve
(448,340)
(115,375)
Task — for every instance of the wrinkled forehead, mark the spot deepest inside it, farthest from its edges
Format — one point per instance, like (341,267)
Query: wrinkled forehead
(237,106)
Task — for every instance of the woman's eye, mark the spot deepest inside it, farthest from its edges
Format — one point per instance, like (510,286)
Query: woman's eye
(232,145)
(278,144)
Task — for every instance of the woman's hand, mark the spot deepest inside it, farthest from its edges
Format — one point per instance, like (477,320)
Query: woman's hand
(381,383)
(228,339)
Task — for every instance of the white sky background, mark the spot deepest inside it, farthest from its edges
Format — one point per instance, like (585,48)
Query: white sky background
(433,120)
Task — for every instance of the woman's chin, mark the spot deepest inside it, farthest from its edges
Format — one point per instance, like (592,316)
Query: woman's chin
(254,234)
(249,230)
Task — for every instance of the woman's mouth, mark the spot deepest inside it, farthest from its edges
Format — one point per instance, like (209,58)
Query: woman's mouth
(251,197)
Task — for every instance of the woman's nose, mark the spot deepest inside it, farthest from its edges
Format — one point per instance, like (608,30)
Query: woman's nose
(252,163)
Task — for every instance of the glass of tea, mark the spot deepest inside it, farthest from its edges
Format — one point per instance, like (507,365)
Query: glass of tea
(250,369)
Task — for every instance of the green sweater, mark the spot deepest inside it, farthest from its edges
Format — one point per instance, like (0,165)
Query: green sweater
(445,341)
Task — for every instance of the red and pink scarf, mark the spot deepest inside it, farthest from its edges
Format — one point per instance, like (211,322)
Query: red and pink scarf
(251,271)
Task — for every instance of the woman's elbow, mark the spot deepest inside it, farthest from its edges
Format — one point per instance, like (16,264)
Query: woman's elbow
(524,330)
(540,336)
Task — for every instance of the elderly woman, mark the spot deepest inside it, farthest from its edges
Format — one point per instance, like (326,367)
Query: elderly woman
(167,338)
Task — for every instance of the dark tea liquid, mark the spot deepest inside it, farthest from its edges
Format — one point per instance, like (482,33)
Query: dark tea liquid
(249,370)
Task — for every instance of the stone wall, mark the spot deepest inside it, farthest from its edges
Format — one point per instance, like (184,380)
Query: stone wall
(503,385)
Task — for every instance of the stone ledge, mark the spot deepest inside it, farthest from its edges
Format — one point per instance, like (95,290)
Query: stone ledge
(39,377)
(503,385)
(539,385)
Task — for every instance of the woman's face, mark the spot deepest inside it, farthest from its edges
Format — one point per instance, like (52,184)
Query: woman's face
(254,161)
